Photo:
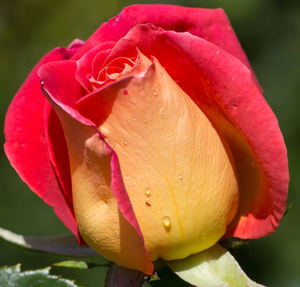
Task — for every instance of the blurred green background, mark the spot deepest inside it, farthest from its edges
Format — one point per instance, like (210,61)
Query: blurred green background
(269,31)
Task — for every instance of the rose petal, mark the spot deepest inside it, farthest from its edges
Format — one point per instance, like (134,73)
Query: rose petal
(58,152)
(174,164)
(84,64)
(98,62)
(103,210)
(209,24)
(225,90)
(61,81)
(26,145)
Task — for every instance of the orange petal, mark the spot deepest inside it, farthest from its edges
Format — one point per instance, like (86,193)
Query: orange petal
(177,170)
(101,224)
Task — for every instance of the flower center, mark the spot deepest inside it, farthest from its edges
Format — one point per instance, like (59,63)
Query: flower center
(114,70)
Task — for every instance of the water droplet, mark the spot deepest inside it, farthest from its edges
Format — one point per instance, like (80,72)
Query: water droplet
(148,191)
(125,142)
(167,222)
(197,115)
(217,52)
(180,177)
(134,119)
(42,83)
(155,93)
(145,121)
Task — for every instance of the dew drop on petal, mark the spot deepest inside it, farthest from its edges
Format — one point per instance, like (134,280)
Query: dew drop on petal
(167,222)
(180,177)
(148,191)
(155,93)
(125,142)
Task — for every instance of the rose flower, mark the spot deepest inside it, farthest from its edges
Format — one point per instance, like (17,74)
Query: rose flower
(151,139)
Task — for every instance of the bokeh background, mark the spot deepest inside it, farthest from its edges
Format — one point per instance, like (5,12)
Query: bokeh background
(269,31)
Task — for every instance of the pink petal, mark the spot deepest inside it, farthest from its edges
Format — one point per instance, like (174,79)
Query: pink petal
(26,144)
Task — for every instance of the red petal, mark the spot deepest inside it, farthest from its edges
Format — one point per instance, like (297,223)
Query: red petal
(26,145)
(209,24)
(225,90)
(84,65)
(58,152)
(119,191)
(59,81)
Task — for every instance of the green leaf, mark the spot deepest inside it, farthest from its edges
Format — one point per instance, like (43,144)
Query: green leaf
(213,267)
(119,276)
(13,277)
(61,244)
(153,277)
(72,264)
(81,264)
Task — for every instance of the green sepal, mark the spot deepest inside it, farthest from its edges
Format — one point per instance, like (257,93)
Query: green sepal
(213,267)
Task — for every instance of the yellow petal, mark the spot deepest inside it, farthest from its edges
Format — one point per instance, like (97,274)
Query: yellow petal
(99,220)
(177,170)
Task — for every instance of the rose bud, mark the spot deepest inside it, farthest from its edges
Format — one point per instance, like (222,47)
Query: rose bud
(152,139)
